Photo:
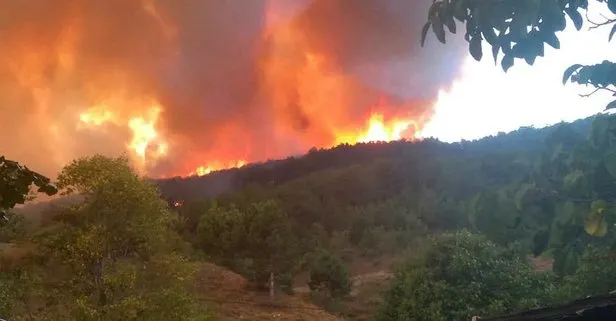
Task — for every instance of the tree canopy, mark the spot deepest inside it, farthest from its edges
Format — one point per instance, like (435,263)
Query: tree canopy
(114,255)
(522,29)
(15,183)
(462,275)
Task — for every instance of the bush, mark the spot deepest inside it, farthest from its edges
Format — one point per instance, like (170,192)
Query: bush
(595,275)
(330,274)
(463,275)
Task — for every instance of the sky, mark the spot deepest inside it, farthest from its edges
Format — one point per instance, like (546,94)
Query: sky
(485,100)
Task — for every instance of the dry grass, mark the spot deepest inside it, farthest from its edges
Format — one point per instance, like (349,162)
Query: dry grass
(229,299)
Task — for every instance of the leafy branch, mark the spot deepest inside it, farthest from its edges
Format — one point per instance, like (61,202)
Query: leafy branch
(601,76)
(522,29)
(15,183)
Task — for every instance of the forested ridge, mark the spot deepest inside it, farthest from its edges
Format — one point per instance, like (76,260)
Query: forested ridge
(275,172)
(500,200)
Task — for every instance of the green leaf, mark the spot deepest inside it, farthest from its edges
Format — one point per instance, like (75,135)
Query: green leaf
(569,71)
(48,189)
(609,160)
(475,48)
(595,224)
(495,50)
(576,17)
(550,38)
(611,4)
(446,15)
(598,206)
(460,9)
(612,32)
(438,29)
(424,33)
(530,58)
(489,35)
(507,62)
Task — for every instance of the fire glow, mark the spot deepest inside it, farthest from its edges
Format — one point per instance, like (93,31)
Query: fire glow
(193,89)
(147,145)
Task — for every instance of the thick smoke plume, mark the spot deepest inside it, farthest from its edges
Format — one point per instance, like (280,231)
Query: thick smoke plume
(205,81)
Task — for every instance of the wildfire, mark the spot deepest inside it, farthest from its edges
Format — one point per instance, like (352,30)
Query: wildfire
(145,145)
(216,166)
(145,136)
(378,130)
(186,94)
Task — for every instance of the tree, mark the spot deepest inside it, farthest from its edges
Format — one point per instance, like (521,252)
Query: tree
(258,241)
(113,255)
(462,275)
(221,235)
(329,273)
(521,29)
(567,197)
(15,227)
(595,274)
(15,182)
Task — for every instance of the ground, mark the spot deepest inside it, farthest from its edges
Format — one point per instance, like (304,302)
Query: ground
(370,279)
(229,299)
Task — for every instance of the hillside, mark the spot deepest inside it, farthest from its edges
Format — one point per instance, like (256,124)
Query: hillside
(276,172)
(229,299)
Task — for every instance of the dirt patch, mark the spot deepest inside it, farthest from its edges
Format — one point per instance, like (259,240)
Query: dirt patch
(542,264)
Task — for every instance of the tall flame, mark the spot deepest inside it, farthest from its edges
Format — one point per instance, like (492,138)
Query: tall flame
(380,131)
(146,144)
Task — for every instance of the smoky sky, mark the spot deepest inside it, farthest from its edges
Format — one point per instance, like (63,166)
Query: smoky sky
(209,64)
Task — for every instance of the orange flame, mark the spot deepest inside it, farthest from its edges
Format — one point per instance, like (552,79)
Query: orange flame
(307,96)
(146,144)
(379,130)
(216,166)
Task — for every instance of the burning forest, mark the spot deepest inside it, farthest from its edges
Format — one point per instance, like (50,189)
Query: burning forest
(187,87)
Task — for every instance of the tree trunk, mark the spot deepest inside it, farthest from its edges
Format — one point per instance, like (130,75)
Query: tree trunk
(271,285)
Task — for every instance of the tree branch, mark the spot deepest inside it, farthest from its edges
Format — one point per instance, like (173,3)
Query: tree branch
(591,93)
(596,25)
(596,90)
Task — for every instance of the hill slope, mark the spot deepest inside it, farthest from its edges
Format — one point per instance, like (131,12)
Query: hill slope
(227,295)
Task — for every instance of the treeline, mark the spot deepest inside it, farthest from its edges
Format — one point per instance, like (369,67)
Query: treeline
(277,172)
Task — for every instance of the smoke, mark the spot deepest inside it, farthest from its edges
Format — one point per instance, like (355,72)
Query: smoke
(233,79)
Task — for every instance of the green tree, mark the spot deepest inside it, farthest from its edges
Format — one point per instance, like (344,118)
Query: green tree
(521,29)
(462,275)
(595,274)
(15,227)
(15,183)
(567,201)
(257,241)
(113,255)
(329,273)
(221,234)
